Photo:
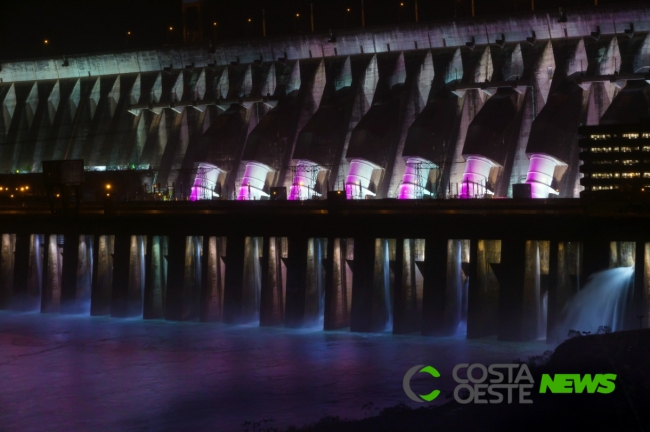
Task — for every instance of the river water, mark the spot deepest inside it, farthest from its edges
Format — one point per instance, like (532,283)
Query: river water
(69,373)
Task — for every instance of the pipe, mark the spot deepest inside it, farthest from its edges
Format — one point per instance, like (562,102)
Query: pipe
(304,181)
(540,175)
(253,181)
(358,179)
(475,178)
(415,179)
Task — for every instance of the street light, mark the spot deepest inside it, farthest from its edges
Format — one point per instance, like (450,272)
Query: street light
(399,12)
(345,17)
(295,23)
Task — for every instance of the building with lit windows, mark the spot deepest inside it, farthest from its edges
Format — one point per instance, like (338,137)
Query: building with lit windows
(615,160)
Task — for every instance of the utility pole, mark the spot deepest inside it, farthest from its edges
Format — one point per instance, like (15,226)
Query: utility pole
(263,23)
(311,5)
(417,18)
(473,14)
(363,15)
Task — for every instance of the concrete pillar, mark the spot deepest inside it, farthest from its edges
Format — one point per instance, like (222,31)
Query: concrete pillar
(315,283)
(362,284)
(511,275)
(7,269)
(212,278)
(408,286)
(252,280)
(338,286)
(274,278)
(52,270)
(234,279)
(128,276)
(85,273)
(19,299)
(434,287)
(120,285)
(383,285)
(69,274)
(553,305)
(136,276)
(296,281)
(483,308)
(536,275)
(175,277)
(101,297)
(372,292)
(191,286)
(155,278)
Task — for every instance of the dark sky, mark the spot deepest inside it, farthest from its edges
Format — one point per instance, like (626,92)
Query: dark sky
(91,26)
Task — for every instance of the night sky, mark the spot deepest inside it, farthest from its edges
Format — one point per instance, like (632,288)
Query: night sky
(91,26)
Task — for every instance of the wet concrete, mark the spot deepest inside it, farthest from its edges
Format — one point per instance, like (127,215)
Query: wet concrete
(65,373)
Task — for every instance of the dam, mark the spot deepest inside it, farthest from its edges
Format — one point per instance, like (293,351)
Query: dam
(398,150)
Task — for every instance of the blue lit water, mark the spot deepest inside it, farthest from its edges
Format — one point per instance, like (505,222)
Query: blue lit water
(69,373)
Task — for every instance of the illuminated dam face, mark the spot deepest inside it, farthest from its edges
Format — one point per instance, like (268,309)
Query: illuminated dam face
(435,109)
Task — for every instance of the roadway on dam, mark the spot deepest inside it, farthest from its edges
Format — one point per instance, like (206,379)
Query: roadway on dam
(73,372)
(552,219)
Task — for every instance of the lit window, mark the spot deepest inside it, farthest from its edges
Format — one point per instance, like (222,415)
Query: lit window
(630,161)
(626,149)
(600,137)
(631,135)
(646,148)
(645,135)
(631,175)
(602,175)
(646,175)
(602,162)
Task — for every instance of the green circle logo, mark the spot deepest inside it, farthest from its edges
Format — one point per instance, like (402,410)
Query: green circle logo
(406,383)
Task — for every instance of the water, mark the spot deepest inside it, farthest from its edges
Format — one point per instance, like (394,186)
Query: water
(387,295)
(62,373)
(463,293)
(602,302)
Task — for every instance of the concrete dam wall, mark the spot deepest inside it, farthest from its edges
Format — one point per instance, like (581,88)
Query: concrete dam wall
(464,108)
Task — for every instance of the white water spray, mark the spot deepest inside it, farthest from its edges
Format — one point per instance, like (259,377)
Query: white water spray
(602,302)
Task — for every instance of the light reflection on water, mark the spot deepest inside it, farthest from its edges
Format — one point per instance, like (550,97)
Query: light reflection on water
(62,372)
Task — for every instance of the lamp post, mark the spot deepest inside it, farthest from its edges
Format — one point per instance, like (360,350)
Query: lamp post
(399,12)
(345,18)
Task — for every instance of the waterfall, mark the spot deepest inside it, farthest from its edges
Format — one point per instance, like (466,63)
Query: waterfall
(542,314)
(387,297)
(603,301)
(320,275)
(463,291)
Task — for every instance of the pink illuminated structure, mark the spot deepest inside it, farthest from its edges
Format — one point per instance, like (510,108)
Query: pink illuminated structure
(475,178)
(304,180)
(415,179)
(253,182)
(205,182)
